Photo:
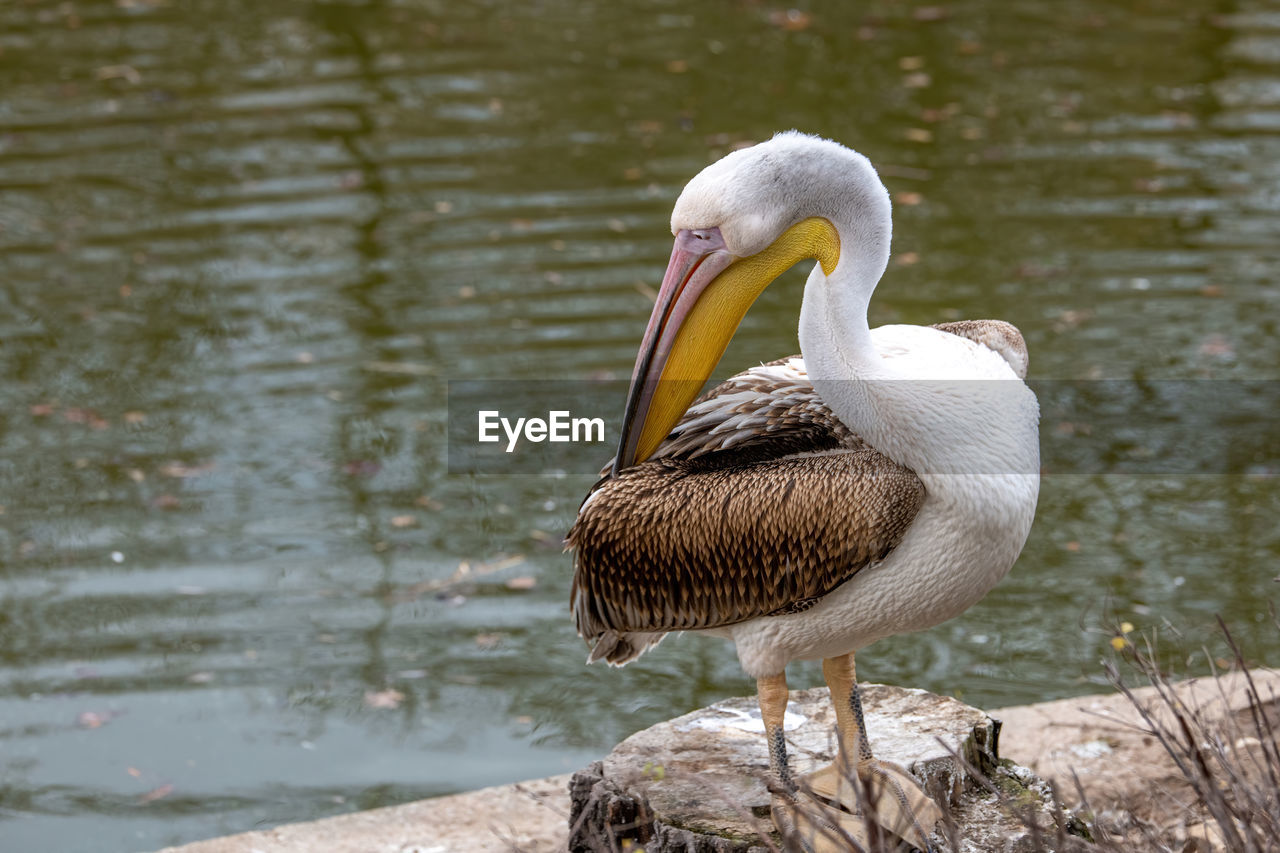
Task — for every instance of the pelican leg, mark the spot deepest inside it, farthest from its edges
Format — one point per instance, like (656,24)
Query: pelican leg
(772,694)
(857,780)
(816,827)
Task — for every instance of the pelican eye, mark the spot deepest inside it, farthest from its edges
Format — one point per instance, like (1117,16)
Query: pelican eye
(704,239)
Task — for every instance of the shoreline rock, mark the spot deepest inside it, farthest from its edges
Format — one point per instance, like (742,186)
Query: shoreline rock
(697,783)
(1096,736)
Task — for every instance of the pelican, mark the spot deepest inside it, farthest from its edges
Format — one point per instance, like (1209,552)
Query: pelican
(808,506)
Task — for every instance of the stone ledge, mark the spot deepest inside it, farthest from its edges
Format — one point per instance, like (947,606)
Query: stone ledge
(529,816)
(1092,735)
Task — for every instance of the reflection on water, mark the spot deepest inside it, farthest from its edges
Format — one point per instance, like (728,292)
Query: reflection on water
(244,246)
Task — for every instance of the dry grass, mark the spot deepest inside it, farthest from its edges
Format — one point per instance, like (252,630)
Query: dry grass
(1229,762)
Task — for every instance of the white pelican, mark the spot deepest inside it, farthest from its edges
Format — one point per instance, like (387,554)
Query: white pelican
(812,505)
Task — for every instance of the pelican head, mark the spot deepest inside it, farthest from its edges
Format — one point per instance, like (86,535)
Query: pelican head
(738,225)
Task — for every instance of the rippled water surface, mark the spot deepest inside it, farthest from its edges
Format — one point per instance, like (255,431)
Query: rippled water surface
(245,245)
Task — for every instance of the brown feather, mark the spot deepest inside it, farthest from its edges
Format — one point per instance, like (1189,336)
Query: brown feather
(680,544)
(708,535)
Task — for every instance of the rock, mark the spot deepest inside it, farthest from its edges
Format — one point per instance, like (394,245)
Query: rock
(697,783)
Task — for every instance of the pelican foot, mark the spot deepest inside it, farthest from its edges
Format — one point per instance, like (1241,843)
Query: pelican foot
(891,796)
(815,826)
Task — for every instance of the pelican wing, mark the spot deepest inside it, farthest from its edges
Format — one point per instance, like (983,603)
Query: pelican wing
(772,408)
(761,503)
(1004,338)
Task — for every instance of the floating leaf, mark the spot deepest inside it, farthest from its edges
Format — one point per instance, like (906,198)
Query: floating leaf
(499,564)
(120,72)
(647,291)
(791,20)
(464,571)
(1218,346)
(181,470)
(156,794)
(542,537)
(388,699)
(85,416)
(402,368)
(95,719)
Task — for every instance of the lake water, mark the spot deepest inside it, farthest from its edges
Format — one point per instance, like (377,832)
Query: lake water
(244,246)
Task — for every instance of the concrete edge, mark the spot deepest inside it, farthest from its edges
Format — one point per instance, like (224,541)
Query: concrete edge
(1096,739)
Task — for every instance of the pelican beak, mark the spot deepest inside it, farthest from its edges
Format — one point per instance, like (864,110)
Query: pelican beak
(704,296)
(658,394)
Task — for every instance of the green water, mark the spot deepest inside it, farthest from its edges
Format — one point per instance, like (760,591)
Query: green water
(244,246)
